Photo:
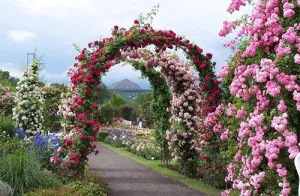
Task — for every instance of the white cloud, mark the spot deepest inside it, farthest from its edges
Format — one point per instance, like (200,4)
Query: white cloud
(81,21)
(21,36)
(54,77)
(13,71)
(56,8)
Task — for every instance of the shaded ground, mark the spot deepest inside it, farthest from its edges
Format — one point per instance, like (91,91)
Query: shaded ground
(129,178)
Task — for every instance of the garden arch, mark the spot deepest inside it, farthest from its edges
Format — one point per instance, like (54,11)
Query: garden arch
(100,56)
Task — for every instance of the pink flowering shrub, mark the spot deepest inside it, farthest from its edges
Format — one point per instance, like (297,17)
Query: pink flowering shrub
(186,135)
(6,101)
(258,122)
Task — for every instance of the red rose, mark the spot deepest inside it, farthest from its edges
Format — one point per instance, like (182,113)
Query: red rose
(202,66)
(196,60)
(142,31)
(82,136)
(207,79)
(216,82)
(68,142)
(79,101)
(79,57)
(136,22)
(209,55)
(97,152)
(97,72)
(214,63)
(107,65)
(116,27)
(92,138)
(95,106)
(91,67)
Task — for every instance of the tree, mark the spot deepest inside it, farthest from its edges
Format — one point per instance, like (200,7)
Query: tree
(107,112)
(127,111)
(105,93)
(7,80)
(117,100)
(144,107)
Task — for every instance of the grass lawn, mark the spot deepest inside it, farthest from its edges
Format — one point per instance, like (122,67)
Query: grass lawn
(155,165)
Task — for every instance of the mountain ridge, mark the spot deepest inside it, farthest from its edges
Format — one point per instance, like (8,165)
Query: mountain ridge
(125,84)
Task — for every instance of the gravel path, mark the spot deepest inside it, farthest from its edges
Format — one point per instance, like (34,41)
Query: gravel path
(129,178)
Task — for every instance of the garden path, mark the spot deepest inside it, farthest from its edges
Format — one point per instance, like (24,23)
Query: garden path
(129,178)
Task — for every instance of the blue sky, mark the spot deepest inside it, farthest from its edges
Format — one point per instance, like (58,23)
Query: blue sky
(52,26)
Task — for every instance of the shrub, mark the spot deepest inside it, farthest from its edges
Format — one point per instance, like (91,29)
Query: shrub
(5,189)
(6,101)
(107,112)
(7,126)
(127,111)
(101,135)
(22,172)
(91,185)
(145,147)
(51,95)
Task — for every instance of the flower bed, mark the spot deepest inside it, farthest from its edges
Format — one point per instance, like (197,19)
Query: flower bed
(144,146)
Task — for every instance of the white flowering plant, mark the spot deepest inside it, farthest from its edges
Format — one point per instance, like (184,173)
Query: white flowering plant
(28,112)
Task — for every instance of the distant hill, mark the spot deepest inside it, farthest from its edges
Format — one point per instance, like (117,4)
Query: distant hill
(128,89)
(125,85)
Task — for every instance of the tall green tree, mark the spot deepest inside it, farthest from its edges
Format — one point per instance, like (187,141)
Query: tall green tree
(7,80)
(117,100)
(105,94)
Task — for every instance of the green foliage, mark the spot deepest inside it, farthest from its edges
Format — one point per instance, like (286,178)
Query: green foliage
(144,108)
(91,185)
(22,172)
(107,112)
(7,126)
(117,100)
(90,189)
(101,135)
(51,95)
(160,101)
(7,80)
(105,94)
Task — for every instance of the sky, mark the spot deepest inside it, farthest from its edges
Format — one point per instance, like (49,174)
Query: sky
(51,27)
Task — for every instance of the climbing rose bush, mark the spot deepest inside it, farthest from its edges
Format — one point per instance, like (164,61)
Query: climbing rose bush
(28,112)
(188,139)
(262,115)
(92,63)
(64,110)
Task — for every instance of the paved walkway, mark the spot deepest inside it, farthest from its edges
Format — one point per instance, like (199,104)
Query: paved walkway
(129,178)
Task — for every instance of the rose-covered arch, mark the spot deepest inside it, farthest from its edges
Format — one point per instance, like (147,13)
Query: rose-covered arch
(102,55)
(186,135)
